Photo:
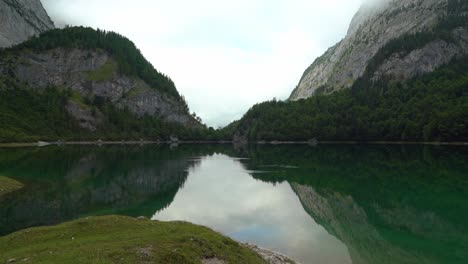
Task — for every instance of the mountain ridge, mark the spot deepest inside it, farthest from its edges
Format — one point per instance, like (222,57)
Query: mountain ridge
(98,79)
(373,27)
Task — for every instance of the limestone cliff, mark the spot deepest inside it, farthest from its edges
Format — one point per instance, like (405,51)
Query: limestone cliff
(375,25)
(22,19)
(93,74)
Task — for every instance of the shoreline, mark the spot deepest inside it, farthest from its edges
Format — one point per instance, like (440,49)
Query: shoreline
(100,143)
(270,256)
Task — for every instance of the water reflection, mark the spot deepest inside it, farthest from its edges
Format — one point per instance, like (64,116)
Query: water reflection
(221,194)
(66,183)
(387,204)
(325,204)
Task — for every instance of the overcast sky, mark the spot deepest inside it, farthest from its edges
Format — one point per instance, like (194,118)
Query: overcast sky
(224,56)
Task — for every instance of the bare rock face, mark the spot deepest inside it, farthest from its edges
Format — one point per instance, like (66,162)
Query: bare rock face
(93,75)
(375,24)
(22,19)
(426,59)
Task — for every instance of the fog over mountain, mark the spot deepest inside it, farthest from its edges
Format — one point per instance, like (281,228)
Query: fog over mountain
(220,63)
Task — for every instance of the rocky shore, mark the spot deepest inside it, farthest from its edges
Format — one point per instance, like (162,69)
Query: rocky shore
(270,256)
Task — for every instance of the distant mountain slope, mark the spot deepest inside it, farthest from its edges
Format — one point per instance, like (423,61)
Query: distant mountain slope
(101,86)
(21,19)
(432,107)
(377,24)
(412,88)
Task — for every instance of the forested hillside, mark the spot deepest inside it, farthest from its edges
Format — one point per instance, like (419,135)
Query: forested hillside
(433,107)
(85,84)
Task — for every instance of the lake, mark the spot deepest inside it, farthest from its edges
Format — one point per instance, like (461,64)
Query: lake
(324,204)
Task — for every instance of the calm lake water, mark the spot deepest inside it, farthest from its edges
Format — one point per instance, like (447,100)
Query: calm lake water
(326,204)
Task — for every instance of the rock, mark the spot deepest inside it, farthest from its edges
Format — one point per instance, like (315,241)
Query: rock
(213,261)
(270,256)
(86,117)
(142,218)
(22,19)
(11,260)
(73,68)
(424,60)
(374,25)
(145,252)
(313,142)
(42,144)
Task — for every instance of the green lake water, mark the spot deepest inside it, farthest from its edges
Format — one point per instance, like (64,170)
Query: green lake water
(325,204)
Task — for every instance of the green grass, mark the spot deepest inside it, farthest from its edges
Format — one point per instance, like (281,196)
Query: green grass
(104,73)
(76,97)
(8,185)
(118,239)
(134,91)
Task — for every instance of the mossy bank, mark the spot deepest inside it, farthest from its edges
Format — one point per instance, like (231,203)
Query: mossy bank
(118,239)
(8,185)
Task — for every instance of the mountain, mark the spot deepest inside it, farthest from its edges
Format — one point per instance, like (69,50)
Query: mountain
(22,19)
(81,83)
(409,87)
(377,24)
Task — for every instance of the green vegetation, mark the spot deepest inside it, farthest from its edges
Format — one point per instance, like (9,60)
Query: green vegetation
(116,239)
(105,73)
(8,185)
(429,108)
(28,116)
(433,107)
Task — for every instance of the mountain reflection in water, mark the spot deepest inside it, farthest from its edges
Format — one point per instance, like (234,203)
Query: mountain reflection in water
(325,204)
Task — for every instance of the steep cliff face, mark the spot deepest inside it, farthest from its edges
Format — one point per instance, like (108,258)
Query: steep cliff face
(375,25)
(93,75)
(108,87)
(22,19)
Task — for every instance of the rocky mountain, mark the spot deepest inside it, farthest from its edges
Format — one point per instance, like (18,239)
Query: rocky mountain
(374,27)
(104,87)
(22,19)
(94,74)
(80,83)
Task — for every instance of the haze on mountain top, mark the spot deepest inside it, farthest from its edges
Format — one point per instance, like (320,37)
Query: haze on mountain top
(224,56)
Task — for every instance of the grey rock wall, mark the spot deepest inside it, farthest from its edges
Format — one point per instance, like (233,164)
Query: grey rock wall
(371,28)
(73,69)
(22,19)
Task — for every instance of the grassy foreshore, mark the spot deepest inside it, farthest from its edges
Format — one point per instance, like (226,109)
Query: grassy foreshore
(8,185)
(118,239)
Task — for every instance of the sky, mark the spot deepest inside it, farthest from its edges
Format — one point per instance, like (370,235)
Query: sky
(224,56)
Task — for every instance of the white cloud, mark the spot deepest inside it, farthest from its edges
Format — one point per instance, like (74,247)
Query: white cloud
(224,56)
(272,217)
